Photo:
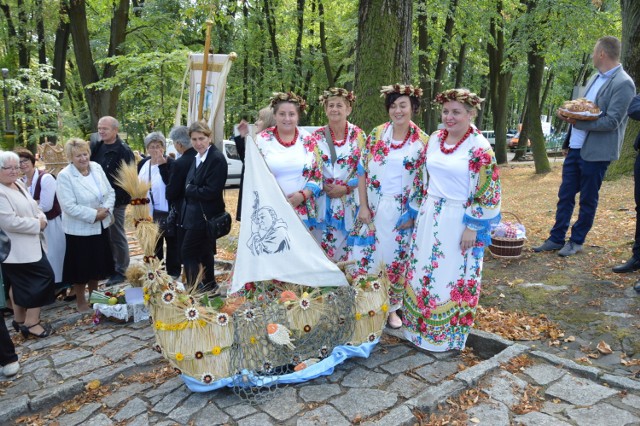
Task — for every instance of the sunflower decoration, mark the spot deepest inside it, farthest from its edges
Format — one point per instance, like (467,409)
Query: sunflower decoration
(199,355)
(222,319)
(206,378)
(168,297)
(191,313)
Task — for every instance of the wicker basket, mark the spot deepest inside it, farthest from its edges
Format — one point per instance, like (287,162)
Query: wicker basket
(507,248)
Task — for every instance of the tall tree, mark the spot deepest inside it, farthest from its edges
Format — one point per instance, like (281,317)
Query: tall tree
(383,55)
(99,102)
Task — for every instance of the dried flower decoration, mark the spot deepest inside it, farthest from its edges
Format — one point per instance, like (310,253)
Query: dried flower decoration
(337,91)
(463,96)
(403,89)
(287,97)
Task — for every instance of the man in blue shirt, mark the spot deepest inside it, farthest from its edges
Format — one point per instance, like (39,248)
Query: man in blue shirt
(590,147)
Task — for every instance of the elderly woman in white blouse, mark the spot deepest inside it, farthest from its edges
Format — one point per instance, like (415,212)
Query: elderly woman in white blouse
(156,169)
(87,200)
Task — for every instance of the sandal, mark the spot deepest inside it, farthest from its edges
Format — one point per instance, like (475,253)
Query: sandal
(16,325)
(26,331)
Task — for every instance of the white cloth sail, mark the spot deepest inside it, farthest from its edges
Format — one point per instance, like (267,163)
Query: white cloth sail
(273,241)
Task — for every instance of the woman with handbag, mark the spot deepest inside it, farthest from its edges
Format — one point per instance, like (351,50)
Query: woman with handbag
(203,203)
(156,169)
(26,270)
(87,200)
(42,187)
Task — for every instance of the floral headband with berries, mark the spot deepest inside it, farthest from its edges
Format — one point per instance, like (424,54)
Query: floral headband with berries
(463,96)
(287,97)
(403,89)
(337,91)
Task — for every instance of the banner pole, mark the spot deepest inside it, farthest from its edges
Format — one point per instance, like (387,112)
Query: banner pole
(205,69)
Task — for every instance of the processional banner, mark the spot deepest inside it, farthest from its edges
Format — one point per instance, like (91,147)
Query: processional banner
(214,91)
(274,243)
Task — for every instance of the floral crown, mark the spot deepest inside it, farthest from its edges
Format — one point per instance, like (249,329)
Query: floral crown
(287,97)
(463,96)
(403,89)
(337,91)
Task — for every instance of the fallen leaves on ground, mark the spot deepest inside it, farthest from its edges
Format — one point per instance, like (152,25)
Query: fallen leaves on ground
(517,325)
(453,413)
(529,401)
(604,348)
(517,364)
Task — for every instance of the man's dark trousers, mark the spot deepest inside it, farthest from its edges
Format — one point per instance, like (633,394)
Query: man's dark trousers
(586,178)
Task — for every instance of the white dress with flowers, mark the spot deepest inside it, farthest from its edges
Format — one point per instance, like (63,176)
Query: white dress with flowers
(462,190)
(295,168)
(336,216)
(390,174)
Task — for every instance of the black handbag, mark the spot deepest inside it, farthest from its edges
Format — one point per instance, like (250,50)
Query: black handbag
(166,222)
(5,245)
(218,225)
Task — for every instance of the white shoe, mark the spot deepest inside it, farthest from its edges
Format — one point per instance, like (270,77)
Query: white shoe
(11,369)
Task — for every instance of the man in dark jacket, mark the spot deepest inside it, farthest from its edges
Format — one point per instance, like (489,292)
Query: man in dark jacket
(178,177)
(633,264)
(109,152)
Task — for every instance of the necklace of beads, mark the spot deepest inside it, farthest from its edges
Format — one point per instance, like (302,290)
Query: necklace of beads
(406,138)
(444,136)
(283,143)
(333,136)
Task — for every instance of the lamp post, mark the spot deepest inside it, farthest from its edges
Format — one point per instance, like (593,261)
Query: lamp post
(7,122)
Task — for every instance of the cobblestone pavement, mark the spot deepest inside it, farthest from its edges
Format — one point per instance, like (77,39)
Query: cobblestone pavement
(397,384)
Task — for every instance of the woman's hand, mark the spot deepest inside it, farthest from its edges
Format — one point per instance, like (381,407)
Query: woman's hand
(295,199)
(364,214)
(243,128)
(468,239)
(407,225)
(335,191)
(43,223)
(101,214)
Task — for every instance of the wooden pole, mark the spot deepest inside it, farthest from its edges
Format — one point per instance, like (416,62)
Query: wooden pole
(205,69)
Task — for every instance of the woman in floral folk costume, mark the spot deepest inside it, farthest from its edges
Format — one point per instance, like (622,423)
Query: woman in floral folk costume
(392,160)
(340,143)
(292,157)
(453,208)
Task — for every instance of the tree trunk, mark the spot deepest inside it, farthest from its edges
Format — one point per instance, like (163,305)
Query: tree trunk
(462,58)
(631,63)
(424,66)
(271,27)
(443,53)
(99,102)
(60,49)
(297,59)
(499,84)
(323,46)
(534,126)
(383,55)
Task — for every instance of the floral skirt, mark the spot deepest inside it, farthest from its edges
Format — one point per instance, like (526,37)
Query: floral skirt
(390,249)
(443,281)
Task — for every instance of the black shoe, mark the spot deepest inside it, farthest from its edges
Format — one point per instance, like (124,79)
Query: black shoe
(630,265)
(26,331)
(115,279)
(548,245)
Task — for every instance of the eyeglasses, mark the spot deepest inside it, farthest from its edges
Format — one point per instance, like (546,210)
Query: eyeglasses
(15,169)
(25,161)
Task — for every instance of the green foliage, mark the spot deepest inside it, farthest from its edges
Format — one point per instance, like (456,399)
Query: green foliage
(34,108)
